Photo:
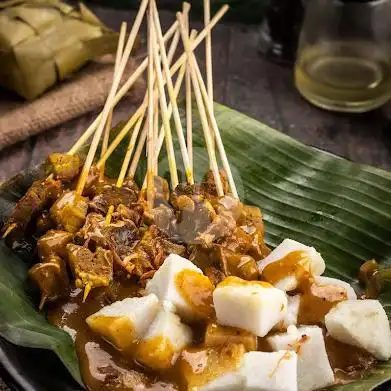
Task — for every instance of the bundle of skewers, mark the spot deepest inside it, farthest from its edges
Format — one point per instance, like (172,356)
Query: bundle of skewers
(101,229)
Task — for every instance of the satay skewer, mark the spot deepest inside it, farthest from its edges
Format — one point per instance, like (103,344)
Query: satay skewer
(189,114)
(201,108)
(170,89)
(201,85)
(122,92)
(150,117)
(110,99)
(136,130)
(118,57)
(174,68)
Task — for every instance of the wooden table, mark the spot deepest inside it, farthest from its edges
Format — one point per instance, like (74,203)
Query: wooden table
(247,82)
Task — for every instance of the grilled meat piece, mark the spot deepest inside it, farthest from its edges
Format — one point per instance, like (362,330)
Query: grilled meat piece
(51,278)
(63,166)
(208,185)
(39,196)
(54,242)
(92,230)
(133,212)
(91,270)
(239,265)
(121,237)
(221,227)
(149,253)
(113,195)
(191,223)
(44,223)
(164,218)
(70,211)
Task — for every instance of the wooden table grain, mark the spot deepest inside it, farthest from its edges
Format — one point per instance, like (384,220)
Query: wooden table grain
(247,82)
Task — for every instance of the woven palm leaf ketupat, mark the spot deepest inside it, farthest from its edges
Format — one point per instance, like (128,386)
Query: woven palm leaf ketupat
(44,41)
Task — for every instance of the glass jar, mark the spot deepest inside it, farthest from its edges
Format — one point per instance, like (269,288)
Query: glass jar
(344,55)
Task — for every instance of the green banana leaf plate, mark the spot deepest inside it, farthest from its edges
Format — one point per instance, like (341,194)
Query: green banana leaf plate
(341,208)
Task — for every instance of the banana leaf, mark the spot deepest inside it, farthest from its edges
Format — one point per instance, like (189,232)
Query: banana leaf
(44,41)
(341,208)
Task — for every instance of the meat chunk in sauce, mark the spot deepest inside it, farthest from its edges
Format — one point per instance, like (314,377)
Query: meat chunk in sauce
(70,211)
(91,270)
(200,366)
(63,166)
(54,242)
(114,196)
(217,335)
(51,278)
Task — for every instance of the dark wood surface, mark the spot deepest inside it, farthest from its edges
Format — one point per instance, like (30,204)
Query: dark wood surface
(247,82)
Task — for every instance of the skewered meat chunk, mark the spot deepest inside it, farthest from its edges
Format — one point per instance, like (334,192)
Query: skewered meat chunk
(39,196)
(92,230)
(54,242)
(164,218)
(63,166)
(133,212)
(221,227)
(70,211)
(51,278)
(91,270)
(208,185)
(234,264)
(44,223)
(113,195)
(121,237)
(149,253)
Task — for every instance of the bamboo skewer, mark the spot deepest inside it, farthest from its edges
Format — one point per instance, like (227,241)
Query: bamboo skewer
(122,92)
(150,119)
(170,89)
(201,85)
(143,136)
(177,87)
(208,52)
(111,97)
(189,114)
(166,122)
(208,58)
(174,68)
(201,109)
(118,56)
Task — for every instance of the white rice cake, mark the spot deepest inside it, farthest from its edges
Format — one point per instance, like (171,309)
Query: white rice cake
(292,257)
(328,281)
(291,314)
(254,306)
(213,369)
(270,371)
(313,367)
(172,285)
(123,322)
(165,338)
(361,323)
